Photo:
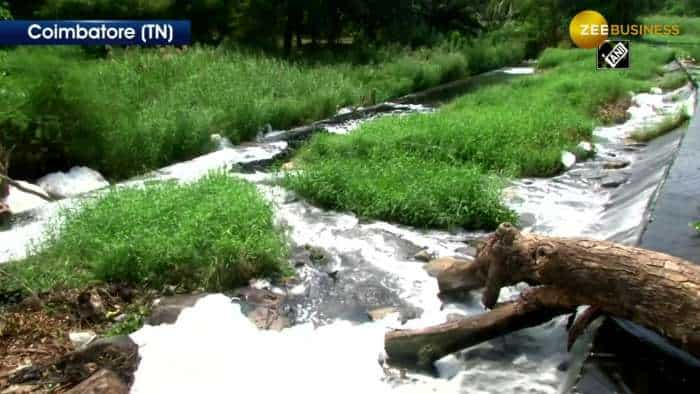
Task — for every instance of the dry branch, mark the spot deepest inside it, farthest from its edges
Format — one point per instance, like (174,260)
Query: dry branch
(19,186)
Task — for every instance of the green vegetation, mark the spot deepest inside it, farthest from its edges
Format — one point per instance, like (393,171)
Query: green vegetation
(687,43)
(680,7)
(79,110)
(134,319)
(673,80)
(516,129)
(214,234)
(668,124)
(167,103)
(5,12)
(689,27)
(405,189)
(281,63)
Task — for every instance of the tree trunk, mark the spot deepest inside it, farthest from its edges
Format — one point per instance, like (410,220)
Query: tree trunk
(653,289)
(422,347)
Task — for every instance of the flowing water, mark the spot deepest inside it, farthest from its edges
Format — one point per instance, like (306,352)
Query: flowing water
(333,345)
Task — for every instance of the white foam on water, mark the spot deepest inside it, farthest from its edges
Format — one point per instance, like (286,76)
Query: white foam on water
(20,201)
(214,348)
(220,142)
(519,70)
(28,234)
(568,159)
(573,208)
(352,124)
(377,243)
(78,180)
(342,356)
(225,158)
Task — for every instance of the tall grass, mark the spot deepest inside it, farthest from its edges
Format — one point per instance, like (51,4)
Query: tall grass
(214,234)
(406,189)
(687,42)
(514,129)
(140,109)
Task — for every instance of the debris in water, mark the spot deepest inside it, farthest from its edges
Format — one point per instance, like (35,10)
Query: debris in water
(381,313)
(424,255)
(614,180)
(568,159)
(615,164)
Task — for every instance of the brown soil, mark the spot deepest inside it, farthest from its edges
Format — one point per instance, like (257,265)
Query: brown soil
(34,333)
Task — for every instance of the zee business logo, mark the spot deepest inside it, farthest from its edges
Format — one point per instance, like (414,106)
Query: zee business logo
(590,29)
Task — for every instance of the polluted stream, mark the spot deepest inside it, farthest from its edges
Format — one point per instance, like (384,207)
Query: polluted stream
(347,268)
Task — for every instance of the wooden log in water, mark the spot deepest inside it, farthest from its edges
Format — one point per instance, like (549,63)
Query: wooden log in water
(652,289)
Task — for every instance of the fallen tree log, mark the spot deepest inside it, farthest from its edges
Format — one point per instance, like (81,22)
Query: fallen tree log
(11,182)
(652,289)
(422,347)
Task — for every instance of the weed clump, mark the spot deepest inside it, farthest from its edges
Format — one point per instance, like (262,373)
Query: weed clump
(214,234)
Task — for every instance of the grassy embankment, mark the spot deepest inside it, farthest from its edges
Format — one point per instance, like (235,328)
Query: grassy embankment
(214,234)
(75,109)
(447,168)
(141,109)
(686,44)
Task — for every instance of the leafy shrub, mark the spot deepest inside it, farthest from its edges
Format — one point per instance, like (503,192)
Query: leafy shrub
(214,234)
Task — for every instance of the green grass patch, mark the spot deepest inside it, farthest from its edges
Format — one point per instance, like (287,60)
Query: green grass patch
(687,43)
(513,129)
(673,80)
(214,234)
(134,319)
(667,125)
(406,190)
(75,109)
(689,26)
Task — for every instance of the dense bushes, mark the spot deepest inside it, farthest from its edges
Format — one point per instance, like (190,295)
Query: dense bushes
(214,234)
(514,129)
